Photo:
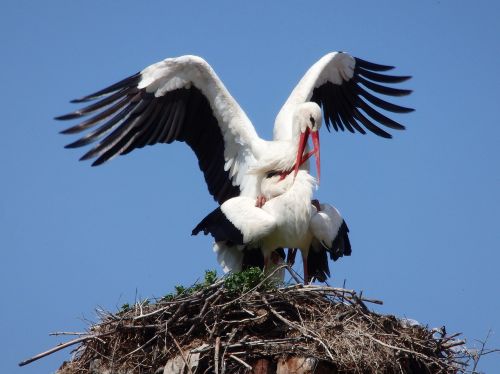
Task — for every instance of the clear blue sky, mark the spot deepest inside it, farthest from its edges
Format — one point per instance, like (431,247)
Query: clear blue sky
(422,208)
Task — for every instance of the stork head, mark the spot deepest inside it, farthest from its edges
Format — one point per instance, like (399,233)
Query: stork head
(307,119)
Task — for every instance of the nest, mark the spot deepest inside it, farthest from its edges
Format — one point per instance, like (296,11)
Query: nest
(221,326)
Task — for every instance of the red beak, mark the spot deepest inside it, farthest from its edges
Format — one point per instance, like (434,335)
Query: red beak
(300,153)
(302,145)
(315,139)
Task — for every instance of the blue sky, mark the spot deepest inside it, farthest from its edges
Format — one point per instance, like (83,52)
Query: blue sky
(422,207)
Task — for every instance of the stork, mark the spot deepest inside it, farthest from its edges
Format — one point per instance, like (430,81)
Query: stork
(327,232)
(182,99)
(282,221)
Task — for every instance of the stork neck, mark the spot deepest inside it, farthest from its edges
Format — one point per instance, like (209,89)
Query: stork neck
(284,174)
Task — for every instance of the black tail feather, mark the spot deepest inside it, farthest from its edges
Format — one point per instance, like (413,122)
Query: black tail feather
(341,245)
(217,225)
(253,257)
(317,265)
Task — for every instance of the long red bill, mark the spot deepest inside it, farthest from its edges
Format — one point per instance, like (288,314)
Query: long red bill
(302,145)
(315,140)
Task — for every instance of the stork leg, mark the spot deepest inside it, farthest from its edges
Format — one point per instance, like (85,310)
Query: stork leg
(261,200)
(275,258)
(266,264)
(306,273)
(292,252)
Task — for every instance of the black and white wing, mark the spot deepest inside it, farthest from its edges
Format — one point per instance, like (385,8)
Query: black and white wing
(346,88)
(330,234)
(175,99)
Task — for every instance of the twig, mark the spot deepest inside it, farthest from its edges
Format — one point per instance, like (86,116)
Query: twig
(216,354)
(481,352)
(57,333)
(313,287)
(453,343)
(373,301)
(293,273)
(55,349)
(396,348)
(249,344)
(240,361)
(151,313)
(245,320)
(231,336)
(141,327)
(359,300)
(449,337)
(489,351)
(188,367)
(141,347)
(216,295)
(303,330)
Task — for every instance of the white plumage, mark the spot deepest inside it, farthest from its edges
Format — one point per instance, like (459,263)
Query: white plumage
(326,233)
(325,225)
(330,234)
(182,99)
(334,67)
(282,221)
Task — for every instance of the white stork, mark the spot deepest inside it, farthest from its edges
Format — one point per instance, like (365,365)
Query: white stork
(283,221)
(330,234)
(327,232)
(183,99)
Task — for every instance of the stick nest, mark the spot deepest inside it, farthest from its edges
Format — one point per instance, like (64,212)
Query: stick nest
(227,325)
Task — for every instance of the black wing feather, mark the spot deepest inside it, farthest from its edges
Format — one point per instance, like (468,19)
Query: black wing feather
(126,118)
(131,81)
(317,265)
(346,115)
(356,114)
(371,65)
(97,118)
(341,245)
(343,105)
(383,78)
(384,90)
(379,117)
(390,107)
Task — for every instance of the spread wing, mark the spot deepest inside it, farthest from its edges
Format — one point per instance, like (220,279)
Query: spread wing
(175,99)
(346,88)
